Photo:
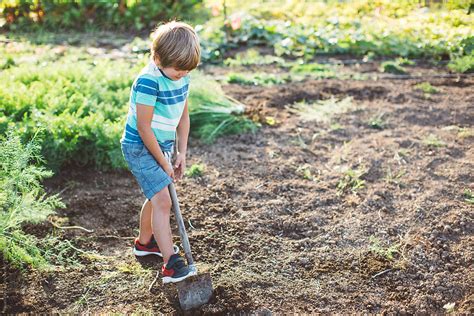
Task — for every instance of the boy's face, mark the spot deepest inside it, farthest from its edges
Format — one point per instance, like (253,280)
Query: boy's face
(175,74)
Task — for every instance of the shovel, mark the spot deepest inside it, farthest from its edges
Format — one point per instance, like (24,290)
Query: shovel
(195,290)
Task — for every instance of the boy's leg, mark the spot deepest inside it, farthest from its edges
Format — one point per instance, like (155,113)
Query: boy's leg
(161,204)
(144,235)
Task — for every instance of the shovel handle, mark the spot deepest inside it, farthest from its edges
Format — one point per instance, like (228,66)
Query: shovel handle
(182,229)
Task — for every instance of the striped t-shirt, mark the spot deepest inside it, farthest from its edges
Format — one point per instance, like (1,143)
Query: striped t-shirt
(168,97)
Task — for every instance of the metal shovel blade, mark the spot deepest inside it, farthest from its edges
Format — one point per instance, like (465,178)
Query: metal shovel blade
(195,291)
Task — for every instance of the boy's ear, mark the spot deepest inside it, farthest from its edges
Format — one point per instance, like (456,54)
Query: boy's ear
(157,60)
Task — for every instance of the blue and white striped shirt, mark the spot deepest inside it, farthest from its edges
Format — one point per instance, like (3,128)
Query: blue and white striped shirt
(168,97)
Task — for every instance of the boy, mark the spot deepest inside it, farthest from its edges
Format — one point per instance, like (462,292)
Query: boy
(159,109)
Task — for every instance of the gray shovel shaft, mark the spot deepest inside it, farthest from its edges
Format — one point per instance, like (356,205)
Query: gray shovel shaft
(182,229)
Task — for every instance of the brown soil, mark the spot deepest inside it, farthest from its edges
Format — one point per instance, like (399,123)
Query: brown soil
(268,222)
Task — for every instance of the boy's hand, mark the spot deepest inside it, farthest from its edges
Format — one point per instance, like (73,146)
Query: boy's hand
(180,165)
(169,171)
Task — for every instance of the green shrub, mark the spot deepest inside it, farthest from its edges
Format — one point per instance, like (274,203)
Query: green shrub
(83,15)
(392,67)
(23,201)
(463,64)
(196,170)
(426,87)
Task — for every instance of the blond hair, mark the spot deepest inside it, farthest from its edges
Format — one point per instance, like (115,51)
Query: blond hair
(176,45)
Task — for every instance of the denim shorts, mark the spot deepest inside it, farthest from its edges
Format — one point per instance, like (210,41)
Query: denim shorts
(149,174)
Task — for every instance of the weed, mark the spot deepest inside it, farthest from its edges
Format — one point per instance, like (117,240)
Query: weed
(426,87)
(433,141)
(404,61)
(9,62)
(376,122)
(465,132)
(258,79)
(463,64)
(392,67)
(394,178)
(133,268)
(315,70)
(305,172)
(469,196)
(351,181)
(196,170)
(386,252)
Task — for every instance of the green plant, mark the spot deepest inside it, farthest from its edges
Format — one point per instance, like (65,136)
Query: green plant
(391,177)
(312,28)
(23,201)
(377,122)
(426,87)
(386,252)
(257,79)
(196,170)
(433,141)
(469,196)
(305,172)
(86,15)
(404,61)
(351,181)
(9,62)
(462,64)
(315,70)
(393,67)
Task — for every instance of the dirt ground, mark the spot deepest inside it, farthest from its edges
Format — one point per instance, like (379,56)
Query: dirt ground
(266,218)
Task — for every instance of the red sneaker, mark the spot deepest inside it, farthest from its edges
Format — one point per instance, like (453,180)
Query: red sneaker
(150,249)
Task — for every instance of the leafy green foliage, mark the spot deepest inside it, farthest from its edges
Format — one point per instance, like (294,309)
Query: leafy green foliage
(257,79)
(426,87)
(463,64)
(469,196)
(377,122)
(350,181)
(22,201)
(363,28)
(77,104)
(387,252)
(196,170)
(393,67)
(105,14)
(433,141)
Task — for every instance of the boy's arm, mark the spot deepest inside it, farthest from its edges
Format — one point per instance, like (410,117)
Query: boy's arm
(144,117)
(183,133)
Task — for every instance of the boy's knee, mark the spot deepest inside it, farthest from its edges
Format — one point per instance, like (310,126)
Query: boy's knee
(162,200)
